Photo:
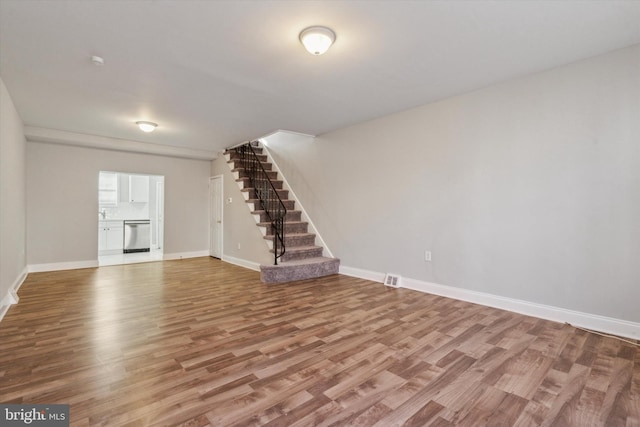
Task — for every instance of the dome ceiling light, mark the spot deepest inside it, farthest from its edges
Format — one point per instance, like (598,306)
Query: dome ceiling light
(317,40)
(147,126)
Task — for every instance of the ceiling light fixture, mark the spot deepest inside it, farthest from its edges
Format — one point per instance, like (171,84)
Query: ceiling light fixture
(147,126)
(317,40)
(97,60)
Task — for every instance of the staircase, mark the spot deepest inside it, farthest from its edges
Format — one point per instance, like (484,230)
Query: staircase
(296,256)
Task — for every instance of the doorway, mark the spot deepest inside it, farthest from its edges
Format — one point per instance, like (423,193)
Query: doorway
(215,216)
(130,218)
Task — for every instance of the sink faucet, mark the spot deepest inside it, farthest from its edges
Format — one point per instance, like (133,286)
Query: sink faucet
(103,213)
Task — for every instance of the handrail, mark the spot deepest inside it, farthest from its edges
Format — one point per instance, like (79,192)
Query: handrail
(267,194)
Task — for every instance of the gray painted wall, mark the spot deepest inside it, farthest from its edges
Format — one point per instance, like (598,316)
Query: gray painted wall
(62,199)
(12,194)
(529,189)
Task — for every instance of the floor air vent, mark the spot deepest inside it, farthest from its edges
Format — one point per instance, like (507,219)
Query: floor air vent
(392,280)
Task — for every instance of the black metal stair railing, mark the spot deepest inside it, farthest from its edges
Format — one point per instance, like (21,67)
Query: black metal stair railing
(272,205)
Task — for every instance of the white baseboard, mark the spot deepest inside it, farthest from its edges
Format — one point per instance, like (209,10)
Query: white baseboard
(11,296)
(241,262)
(361,274)
(594,322)
(56,266)
(182,255)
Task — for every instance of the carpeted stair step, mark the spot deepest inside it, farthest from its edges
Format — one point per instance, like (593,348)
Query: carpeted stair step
(289,227)
(236,164)
(295,240)
(290,216)
(241,165)
(242,172)
(288,204)
(300,253)
(310,268)
(277,184)
(284,194)
(257,149)
(232,155)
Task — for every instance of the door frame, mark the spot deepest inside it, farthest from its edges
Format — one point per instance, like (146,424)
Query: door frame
(160,213)
(221,204)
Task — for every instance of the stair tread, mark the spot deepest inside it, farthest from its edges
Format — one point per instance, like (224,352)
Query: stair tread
(243,168)
(248,189)
(298,234)
(284,202)
(302,248)
(306,261)
(258,150)
(246,178)
(266,224)
(261,211)
(287,235)
(268,171)
(238,160)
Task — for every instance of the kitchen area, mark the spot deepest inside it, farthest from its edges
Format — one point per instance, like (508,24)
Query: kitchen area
(130,218)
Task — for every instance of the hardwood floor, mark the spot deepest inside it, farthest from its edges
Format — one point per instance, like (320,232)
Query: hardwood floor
(200,342)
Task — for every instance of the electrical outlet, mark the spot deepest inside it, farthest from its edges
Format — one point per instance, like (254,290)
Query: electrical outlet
(238,245)
(427,255)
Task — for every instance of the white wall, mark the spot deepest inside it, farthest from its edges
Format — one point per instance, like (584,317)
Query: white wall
(239,227)
(62,199)
(12,198)
(529,189)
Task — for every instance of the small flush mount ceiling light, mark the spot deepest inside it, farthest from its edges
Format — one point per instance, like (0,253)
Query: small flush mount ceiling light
(317,40)
(97,60)
(147,126)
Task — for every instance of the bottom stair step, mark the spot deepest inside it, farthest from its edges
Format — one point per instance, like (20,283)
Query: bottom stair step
(290,271)
(300,253)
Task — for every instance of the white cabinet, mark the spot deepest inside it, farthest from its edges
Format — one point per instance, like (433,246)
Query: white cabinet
(108,189)
(138,189)
(110,237)
(123,187)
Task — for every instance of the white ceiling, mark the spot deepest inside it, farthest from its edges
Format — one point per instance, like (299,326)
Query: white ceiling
(216,73)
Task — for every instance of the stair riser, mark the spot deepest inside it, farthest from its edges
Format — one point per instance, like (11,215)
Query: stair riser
(256,148)
(237,156)
(242,173)
(288,228)
(230,155)
(290,216)
(237,164)
(284,194)
(288,204)
(244,182)
(293,241)
(295,255)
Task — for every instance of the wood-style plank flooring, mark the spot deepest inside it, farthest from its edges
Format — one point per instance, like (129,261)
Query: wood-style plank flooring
(200,342)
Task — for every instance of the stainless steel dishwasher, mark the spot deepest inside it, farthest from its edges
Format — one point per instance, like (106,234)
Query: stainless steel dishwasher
(137,236)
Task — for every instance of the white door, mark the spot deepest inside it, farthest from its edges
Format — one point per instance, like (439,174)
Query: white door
(215,216)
